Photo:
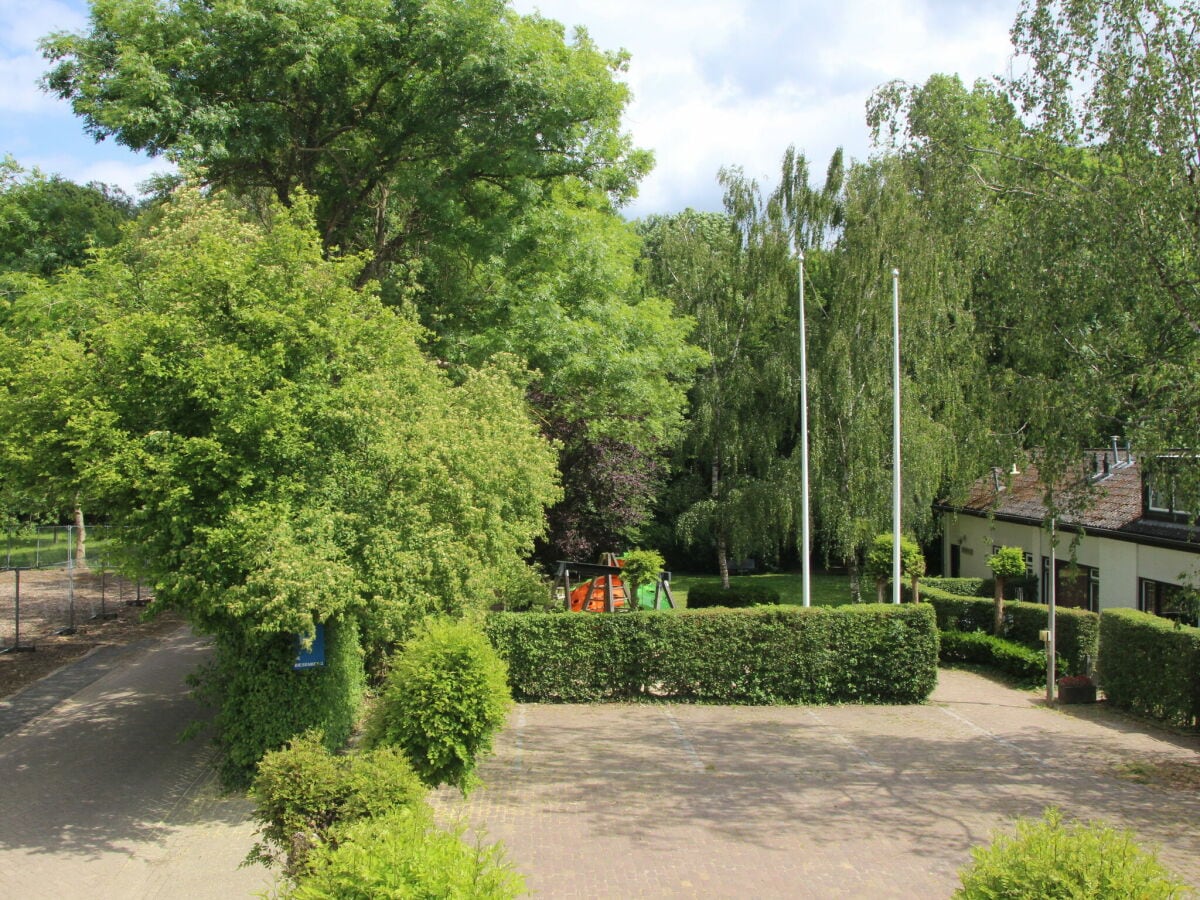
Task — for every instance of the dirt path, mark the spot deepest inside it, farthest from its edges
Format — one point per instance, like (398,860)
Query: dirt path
(101,800)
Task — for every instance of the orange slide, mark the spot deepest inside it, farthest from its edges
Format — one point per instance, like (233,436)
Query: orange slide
(591,595)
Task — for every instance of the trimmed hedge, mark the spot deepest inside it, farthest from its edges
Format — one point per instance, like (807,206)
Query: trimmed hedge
(865,654)
(740,596)
(1150,667)
(1078,630)
(262,702)
(960,587)
(986,649)
(982,587)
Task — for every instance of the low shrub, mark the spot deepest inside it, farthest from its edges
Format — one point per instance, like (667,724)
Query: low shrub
(1021,662)
(445,696)
(405,855)
(865,654)
(1150,666)
(262,702)
(737,596)
(303,793)
(1077,630)
(1048,858)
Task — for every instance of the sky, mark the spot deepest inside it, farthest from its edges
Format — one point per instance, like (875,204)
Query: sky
(715,82)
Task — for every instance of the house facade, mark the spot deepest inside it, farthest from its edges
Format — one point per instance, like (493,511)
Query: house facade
(1120,542)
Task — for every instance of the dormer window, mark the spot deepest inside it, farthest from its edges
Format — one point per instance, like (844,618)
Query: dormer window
(1158,493)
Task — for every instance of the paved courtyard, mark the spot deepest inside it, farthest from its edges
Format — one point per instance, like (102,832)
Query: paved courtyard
(100,800)
(849,801)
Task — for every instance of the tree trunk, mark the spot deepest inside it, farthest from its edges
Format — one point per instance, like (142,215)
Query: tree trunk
(998,625)
(916,590)
(722,540)
(855,581)
(80,535)
(723,559)
(880,584)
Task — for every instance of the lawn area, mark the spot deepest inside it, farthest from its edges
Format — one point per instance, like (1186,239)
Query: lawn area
(827,590)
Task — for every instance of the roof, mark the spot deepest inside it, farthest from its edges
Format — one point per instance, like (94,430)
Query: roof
(1110,504)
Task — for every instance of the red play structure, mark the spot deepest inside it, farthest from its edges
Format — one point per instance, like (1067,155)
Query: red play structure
(599,587)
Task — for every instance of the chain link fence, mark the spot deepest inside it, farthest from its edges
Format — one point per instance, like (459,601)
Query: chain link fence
(53,578)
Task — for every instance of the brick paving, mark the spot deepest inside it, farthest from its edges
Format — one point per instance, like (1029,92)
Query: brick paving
(848,801)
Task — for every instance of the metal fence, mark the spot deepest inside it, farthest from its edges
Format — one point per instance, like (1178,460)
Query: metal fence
(51,582)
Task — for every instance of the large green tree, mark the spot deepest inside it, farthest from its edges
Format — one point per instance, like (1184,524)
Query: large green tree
(274,444)
(408,120)
(474,152)
(50,223)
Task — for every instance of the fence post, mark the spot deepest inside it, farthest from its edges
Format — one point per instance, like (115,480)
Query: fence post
(70,629)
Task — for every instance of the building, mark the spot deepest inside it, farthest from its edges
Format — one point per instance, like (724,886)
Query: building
(1121,542)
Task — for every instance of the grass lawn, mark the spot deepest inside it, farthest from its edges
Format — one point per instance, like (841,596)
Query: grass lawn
(827,590)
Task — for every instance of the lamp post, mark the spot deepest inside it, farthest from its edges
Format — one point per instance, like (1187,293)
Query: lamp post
(895,435)
(804,536)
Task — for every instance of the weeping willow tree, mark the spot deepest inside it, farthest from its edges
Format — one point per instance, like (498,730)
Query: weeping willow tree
(736,275)
(732,273)
(884,225)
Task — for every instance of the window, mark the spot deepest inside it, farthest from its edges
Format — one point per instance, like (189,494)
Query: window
(1161,598)
(1075,585)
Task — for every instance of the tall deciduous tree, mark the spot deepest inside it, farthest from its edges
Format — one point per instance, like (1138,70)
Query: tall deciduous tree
(408,120)
(729,272)
(273,440)
(49,223)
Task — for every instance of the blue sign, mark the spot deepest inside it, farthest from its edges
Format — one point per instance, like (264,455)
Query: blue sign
(315,655)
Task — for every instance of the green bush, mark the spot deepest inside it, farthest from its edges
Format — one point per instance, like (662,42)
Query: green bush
(961,587)
(1150,667)
(303,793)
(1078,630)
(865,654)
(262,702)
(1077,633)
(738,596)
(404,855)
(1021,662)
(1048,859)
(445,696)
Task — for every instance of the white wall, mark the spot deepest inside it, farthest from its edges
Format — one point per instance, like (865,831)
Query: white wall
(1121,563)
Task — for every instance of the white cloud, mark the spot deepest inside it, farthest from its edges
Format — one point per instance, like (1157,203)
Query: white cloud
(734,82)
(24,22)
(126,174)
(19,91)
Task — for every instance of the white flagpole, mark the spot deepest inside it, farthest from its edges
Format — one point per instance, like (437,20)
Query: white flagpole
(895,435)
(804,536)
(1051,643)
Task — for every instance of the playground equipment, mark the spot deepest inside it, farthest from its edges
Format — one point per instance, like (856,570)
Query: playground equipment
(599,587)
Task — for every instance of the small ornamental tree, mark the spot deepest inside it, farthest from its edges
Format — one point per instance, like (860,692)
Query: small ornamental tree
(641,567)
(879,562)
(1007,562)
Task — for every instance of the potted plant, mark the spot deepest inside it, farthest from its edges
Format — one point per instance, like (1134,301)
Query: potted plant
(1076,689)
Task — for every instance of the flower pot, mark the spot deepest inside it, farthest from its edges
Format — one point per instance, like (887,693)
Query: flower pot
(1076,693)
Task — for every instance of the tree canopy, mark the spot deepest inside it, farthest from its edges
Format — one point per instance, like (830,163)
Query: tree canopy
(407,120)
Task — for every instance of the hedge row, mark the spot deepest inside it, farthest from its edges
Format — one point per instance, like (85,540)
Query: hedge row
(1150,667)
(1077,630)
(982,587)
(1016,659)
(866,654)
(738,596)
